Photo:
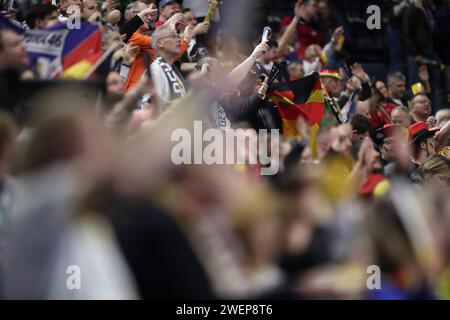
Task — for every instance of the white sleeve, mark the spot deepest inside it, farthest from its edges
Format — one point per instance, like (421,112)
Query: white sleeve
(161,82)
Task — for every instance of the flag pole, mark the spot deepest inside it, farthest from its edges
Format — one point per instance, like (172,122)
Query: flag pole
(101,60)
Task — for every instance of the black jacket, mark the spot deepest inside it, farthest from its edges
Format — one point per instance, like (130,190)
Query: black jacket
(260,114)
(417,32)
(131,27)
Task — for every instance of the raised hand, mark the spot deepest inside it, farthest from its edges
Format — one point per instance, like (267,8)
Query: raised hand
(149,14)
(338,32)
(109,5)
(114,16)
(263,89)
(188,33)
(430,122)
(201,28)
(260,49)
(353,84)
(175,19)
(423,73)
(130,54)
(358,71)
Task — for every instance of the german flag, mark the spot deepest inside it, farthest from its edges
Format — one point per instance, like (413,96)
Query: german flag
(298,98)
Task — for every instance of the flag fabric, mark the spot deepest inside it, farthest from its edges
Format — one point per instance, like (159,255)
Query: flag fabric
(6,23)
(299,98)
(58,50)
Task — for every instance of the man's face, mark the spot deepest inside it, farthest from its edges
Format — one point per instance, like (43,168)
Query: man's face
(296,71)
(333,86)
(170,43)
(88,8)
(363,108)
(342,138)
(170,9)
(400,118)
(381,87)
(268,56)
(48,21)
(189,19)
(12,54)
(114,84)
(324,10)
(312,8)
(421,105)
(397,89)
(388,148)
(51,19)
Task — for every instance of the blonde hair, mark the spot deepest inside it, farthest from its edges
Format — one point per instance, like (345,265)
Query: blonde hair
(435,164)
(440,115)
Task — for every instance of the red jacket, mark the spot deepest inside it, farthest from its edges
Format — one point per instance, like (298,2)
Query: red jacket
(382,115)
(308,34)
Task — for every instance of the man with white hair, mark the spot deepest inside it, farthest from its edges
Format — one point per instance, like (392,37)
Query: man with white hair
(169,82)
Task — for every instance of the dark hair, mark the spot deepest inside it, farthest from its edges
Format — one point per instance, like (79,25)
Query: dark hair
(360,123)
(416,146)
(38,11)
(186,10)
(272,43)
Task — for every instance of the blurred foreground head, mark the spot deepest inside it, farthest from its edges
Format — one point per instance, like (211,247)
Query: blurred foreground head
(12,50)
(407,238)
(65,128)
(436,171)
(8,134)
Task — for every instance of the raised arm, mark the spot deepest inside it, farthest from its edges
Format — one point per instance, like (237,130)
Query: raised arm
(289,34)
(238,74)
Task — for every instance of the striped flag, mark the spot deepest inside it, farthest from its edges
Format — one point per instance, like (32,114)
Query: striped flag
(58,50)
(299,98)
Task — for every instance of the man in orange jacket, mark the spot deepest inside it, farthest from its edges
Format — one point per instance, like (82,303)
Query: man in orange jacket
(146,54)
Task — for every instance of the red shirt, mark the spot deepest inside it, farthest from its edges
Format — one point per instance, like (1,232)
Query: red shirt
(159,23)
(308,34)
(381,116)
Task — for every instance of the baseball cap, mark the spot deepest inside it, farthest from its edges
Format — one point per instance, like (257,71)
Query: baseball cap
(256,72)
(164,3)
(419,131)
(388,130)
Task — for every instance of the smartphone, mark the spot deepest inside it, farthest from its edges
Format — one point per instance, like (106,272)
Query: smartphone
(267,33)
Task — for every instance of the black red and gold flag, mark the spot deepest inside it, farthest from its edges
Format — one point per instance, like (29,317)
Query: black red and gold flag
(298,98)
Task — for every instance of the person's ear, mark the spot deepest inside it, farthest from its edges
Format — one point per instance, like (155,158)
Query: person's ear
(159,44)
(39,23)
(423,145)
